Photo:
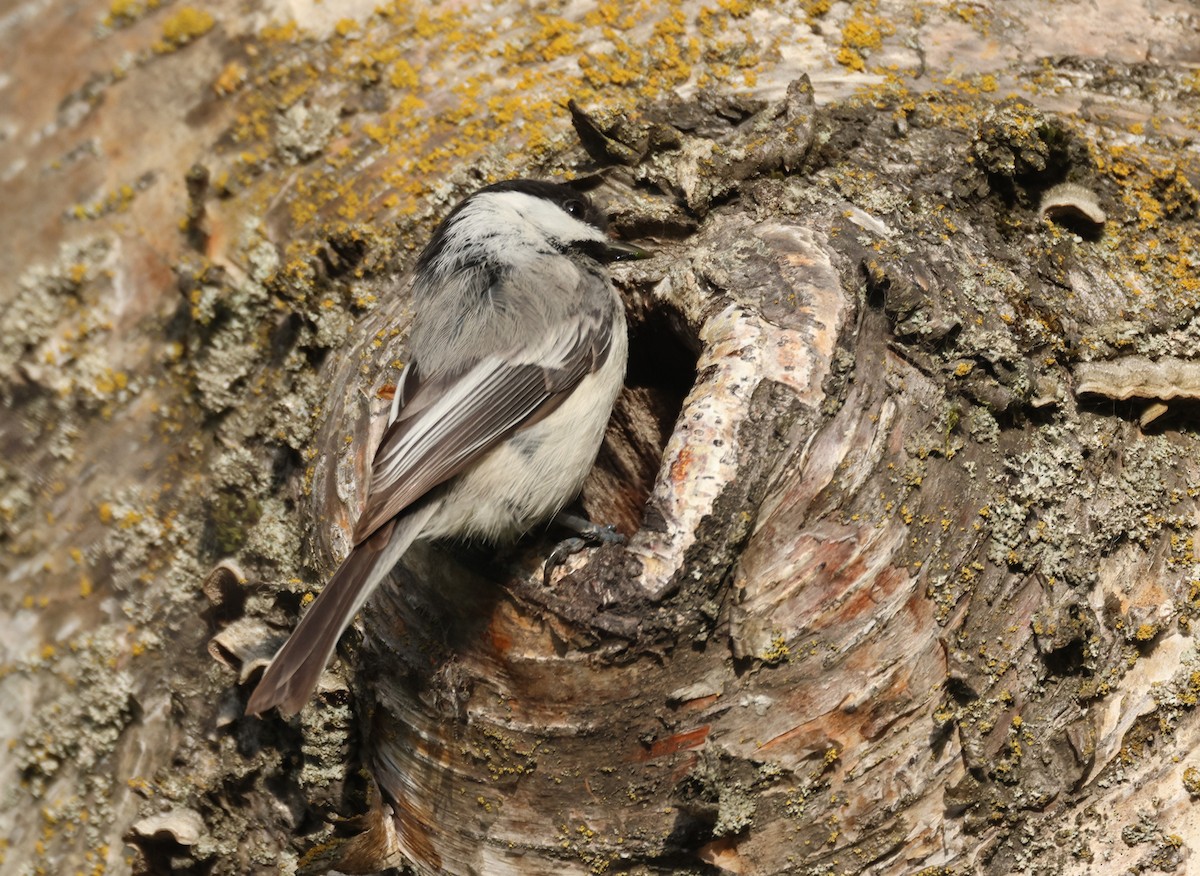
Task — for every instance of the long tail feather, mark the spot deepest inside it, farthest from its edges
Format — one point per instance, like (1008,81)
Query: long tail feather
(292,676)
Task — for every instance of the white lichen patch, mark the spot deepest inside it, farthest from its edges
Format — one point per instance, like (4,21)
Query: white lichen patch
(47,314)
(83,726)
(303,132)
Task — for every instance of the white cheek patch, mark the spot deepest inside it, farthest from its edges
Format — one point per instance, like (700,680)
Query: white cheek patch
(528,218)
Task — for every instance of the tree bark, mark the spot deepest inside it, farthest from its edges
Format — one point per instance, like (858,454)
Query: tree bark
(906,456)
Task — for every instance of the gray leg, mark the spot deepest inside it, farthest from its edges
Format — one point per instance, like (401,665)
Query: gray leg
(587,534)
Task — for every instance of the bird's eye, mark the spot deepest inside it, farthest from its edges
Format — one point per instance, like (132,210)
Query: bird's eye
(575,208)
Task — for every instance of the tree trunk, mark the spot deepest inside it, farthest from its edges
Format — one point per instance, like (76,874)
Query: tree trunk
(906,457)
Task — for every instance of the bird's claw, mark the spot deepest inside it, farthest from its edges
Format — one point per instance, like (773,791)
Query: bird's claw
(590,536)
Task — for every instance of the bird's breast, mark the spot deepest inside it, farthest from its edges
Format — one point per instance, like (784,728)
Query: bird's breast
(529,477)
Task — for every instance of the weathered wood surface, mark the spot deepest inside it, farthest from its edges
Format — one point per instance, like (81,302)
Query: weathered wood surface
(909,584)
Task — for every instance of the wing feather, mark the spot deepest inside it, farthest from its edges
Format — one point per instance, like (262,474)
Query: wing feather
(449,421)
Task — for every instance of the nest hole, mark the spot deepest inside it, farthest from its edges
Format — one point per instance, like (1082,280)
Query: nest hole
(1069,659)
(663,351)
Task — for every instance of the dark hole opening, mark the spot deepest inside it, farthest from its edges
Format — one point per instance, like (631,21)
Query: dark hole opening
(1066,660)
(661,372)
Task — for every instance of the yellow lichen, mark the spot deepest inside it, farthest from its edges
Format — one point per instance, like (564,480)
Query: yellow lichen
(122,13)
(232,77)
(184,26)
(736,8)
(777,651)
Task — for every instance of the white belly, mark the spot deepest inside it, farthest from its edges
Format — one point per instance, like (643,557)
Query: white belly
(530,477)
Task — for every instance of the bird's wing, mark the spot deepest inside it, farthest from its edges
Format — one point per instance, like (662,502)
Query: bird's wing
(441,425)
(406,385)
(449,421)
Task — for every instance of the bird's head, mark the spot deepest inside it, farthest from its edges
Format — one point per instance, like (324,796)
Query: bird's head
(522,219)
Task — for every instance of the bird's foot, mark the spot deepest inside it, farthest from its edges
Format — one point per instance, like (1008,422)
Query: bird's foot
(587,534)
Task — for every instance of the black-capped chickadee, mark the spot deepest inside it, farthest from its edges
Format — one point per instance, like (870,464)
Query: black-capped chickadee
(516,355)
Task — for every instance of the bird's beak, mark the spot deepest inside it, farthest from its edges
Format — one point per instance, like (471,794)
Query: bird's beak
(625,252)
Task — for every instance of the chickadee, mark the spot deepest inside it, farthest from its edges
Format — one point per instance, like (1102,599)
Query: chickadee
(517,352)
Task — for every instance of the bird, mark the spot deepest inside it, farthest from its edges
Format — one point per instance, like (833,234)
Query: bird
(517,352)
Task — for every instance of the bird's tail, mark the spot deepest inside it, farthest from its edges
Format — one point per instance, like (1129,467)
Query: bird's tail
(292,676)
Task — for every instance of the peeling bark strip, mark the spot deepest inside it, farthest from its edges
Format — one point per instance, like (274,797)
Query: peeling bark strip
(782,325)
(1139,377)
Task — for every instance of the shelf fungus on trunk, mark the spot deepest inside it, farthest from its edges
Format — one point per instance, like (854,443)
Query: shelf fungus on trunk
(1157,381)
(1072,205)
